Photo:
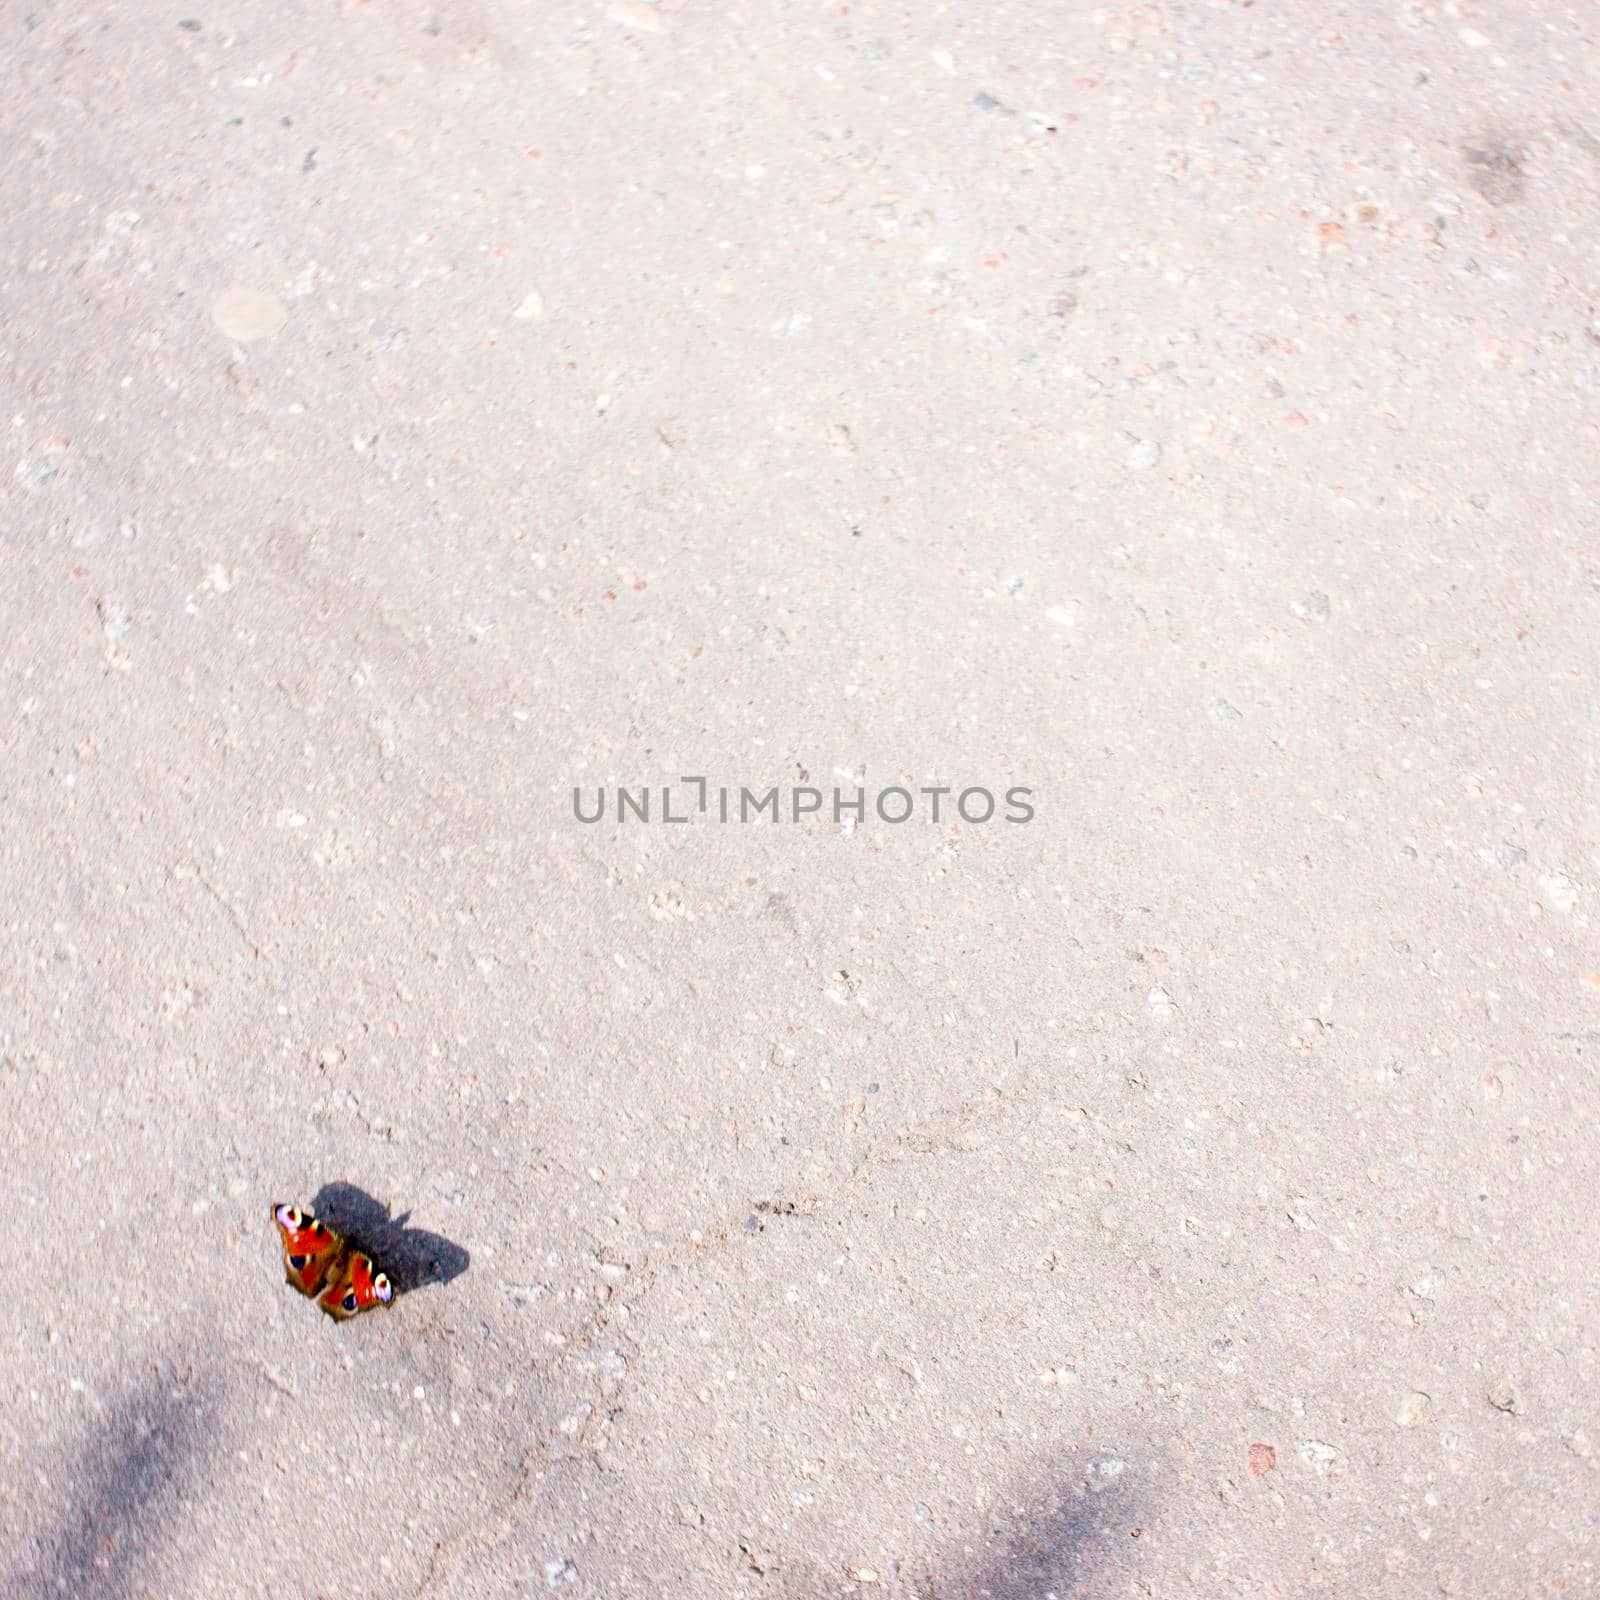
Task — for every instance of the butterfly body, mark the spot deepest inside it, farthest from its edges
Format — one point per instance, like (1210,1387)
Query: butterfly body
(327,1267)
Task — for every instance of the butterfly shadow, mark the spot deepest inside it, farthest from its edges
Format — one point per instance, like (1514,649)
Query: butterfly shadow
(412,1257)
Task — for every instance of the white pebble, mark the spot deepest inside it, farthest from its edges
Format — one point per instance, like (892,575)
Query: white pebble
(1557,892)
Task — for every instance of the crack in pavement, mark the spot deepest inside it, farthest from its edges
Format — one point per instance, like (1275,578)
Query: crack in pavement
(937,1136)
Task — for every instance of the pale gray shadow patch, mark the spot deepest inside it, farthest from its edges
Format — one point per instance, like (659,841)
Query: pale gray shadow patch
(1079,1538)
(128,1482)
(1494,169)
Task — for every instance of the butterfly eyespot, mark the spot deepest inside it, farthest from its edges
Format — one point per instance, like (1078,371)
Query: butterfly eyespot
(382,1288)
(349,1302)
(298,1262)
(289,1216)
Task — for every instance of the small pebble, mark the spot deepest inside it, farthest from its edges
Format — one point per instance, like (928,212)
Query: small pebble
(114,618)
(1143,454)
(1558,893)
(1503,1397)
(247,315)
(636,14)
(1415,1409)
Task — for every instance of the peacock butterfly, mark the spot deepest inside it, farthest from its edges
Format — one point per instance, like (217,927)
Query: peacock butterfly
(327,1267)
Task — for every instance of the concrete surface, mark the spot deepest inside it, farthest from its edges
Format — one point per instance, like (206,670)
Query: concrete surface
(1186,411)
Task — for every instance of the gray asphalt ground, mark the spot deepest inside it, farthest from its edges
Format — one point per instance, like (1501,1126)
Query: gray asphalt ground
(1189,413)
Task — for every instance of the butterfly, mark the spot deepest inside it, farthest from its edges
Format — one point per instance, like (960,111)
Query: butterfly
(325,1266)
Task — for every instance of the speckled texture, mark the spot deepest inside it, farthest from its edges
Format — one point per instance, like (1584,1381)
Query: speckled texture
(1188,412)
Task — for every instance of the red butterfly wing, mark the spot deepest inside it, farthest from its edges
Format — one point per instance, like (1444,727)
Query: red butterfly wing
(311,1249)
(358,1286)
